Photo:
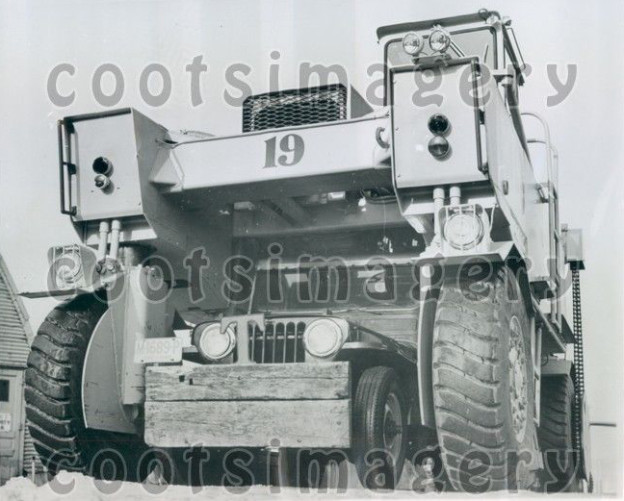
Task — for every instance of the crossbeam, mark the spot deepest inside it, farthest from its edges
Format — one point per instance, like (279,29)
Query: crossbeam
(346,150)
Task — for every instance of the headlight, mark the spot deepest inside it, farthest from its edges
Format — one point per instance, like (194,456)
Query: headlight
(413,43)
(213,344)
(66,269)
(463,228)
(323,337)
(439,40)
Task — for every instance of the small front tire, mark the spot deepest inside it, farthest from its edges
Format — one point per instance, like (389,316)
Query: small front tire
(380,428)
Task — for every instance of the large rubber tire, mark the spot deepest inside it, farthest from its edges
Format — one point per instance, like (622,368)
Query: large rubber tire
(555,434)
(479,327)
(54,398)
(377,387)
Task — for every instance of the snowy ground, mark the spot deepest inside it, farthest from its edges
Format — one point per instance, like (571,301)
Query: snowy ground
(78,487)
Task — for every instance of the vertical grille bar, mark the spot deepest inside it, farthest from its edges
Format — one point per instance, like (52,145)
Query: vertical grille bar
(264,341)
(289,327)
(276,329)
(297,340)
(280,342)
(252,349)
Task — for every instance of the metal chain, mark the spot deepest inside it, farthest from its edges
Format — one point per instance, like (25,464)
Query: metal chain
(579,369)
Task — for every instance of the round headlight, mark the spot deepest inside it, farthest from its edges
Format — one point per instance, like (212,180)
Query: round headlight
(213,344)
(439,147)
(323,337)
(68,270)
(413,43)
(439,40)
(463,231)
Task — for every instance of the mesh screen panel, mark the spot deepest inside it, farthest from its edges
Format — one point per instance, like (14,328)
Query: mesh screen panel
(295,107)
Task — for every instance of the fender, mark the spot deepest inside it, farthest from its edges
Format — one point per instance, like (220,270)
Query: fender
(101,382)
(426,321)
(113,382)
(557,367)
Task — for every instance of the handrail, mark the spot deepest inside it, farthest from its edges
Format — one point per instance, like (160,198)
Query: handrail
(63,151)
(552,156)
(552,152)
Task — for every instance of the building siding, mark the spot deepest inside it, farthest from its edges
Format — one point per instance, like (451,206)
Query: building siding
(15,339)
(15,332)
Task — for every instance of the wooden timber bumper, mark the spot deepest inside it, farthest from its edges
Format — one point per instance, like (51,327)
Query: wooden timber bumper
(298,404)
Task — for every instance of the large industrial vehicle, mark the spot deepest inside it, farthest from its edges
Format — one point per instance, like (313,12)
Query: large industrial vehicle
(335,281)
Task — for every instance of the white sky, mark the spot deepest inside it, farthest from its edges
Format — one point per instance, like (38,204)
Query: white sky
(587,128)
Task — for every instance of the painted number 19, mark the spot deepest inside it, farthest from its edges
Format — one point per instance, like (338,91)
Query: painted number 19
(291,148)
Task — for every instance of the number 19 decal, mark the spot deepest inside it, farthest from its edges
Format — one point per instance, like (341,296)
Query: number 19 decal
(290,146)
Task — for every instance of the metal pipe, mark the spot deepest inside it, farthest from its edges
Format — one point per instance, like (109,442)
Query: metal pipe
(455,195)
(115,230)
(103,243)
(438,203)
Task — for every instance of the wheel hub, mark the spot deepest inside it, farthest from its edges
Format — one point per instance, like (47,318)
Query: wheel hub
(392,429)
(518,381)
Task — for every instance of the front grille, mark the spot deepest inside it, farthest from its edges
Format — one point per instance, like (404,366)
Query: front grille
(281,342)
(295,107)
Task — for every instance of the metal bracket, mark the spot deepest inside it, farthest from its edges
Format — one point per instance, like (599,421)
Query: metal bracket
(242,335)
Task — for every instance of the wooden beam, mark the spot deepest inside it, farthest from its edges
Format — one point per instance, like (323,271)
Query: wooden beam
(295,423)
(273,213)
(320,381)
(293,210)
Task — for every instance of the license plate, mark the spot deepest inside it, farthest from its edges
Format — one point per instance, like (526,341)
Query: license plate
(158,350)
